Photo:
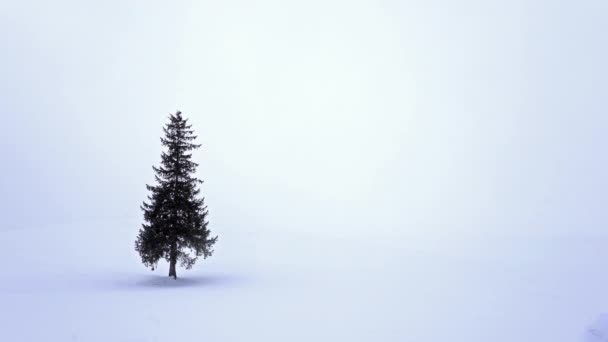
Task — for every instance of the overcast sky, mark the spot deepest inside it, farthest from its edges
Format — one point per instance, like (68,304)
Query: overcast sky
(337,116)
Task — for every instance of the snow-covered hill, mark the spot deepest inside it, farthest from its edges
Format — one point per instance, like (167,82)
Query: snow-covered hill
(84,282)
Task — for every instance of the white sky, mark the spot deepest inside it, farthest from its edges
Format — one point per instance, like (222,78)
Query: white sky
(328,115)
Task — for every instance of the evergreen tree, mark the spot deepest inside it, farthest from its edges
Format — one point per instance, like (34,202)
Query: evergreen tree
(175,227)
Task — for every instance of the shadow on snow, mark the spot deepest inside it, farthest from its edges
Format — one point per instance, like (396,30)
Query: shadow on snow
(160,282)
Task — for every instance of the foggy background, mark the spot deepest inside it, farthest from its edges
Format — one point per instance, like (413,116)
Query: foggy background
(344,117)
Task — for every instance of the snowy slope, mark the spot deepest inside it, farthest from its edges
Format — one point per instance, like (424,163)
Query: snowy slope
(273,285)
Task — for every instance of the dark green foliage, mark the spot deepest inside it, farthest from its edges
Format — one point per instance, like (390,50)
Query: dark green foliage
(175,227)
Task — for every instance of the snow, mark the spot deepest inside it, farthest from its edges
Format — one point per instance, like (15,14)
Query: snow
(376,170)
(83,282)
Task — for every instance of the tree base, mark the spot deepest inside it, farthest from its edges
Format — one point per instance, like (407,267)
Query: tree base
(172,272)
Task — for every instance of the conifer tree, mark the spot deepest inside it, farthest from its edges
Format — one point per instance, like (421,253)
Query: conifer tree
(175,216)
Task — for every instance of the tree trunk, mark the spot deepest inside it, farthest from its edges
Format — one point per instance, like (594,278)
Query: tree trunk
(173,261)
(172,272)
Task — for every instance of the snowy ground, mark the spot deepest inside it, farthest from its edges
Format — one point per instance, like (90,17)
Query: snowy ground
(84,282)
